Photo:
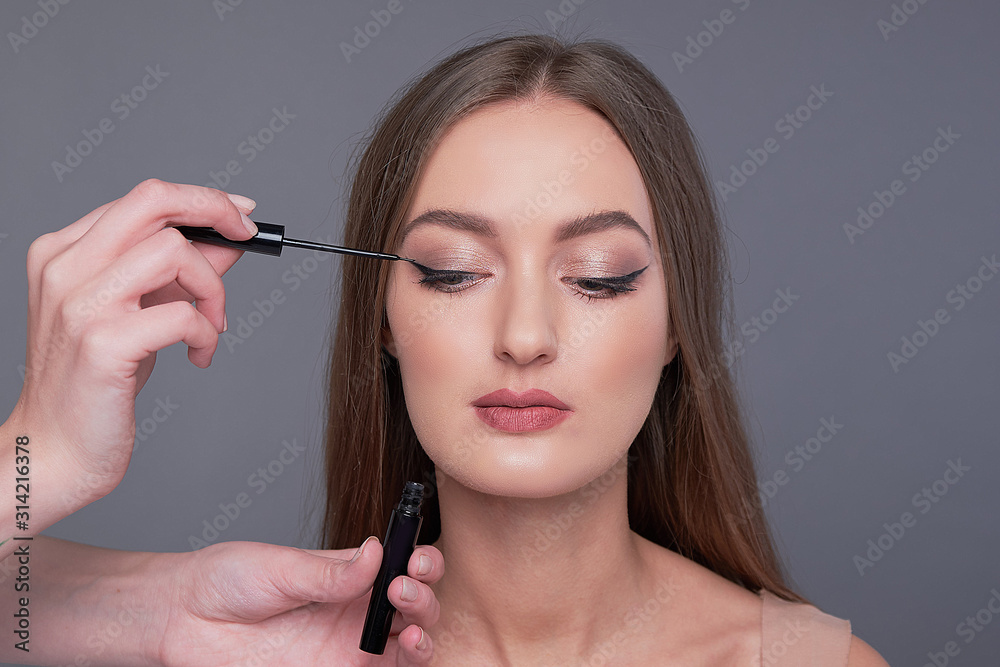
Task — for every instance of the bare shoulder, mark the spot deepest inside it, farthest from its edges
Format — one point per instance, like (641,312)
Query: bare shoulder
(722,620)
(718,608)
(863,655)
(696,580)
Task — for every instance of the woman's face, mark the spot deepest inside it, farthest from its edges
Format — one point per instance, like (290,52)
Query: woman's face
(546,275)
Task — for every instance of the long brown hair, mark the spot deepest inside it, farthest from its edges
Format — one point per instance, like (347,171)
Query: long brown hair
(691,481)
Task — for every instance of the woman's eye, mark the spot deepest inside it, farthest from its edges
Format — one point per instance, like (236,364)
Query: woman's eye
(591,284)
(606,288)
(445,281)
(590,287)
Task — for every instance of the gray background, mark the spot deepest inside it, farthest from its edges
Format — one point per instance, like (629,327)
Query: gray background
(825,357)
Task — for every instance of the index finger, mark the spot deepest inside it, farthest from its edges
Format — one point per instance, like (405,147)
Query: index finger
(426,564)
(149,206)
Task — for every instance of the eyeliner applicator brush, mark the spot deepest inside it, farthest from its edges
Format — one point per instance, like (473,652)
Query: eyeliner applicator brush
(270,240)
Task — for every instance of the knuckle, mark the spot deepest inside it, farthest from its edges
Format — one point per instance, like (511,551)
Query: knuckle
(56,274)
(97,342)
(331,571)
(201,195)
(213,202)
(190,315)
(173,241)
(39,251)
(153,190)
(332,575)
(225,550)
(69,310)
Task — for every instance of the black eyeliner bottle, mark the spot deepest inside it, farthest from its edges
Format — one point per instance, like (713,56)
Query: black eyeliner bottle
(400,540)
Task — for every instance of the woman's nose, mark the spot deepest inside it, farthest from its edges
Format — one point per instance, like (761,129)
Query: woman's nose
(527,328)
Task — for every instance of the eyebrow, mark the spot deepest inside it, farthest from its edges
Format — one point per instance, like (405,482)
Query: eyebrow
(581,225)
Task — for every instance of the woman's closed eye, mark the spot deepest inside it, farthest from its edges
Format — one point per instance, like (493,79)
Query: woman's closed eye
(608,286)
(591,287)
(444,280)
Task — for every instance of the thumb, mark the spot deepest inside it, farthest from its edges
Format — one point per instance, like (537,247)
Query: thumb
(321,578)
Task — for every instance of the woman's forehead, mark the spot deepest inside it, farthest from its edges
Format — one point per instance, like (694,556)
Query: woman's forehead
(541,160)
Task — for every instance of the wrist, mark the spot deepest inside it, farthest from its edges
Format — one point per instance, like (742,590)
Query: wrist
(126,605)
(88,605)
(57,486)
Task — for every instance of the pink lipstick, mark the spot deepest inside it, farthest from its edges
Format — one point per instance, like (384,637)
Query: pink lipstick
(532,410)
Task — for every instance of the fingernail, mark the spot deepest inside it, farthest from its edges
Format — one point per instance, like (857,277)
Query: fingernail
(422,644)
(225,322)
(424,565)
(248,223)
(361,549)
(242,202)
(409,592)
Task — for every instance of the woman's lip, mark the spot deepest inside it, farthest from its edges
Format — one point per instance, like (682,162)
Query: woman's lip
(519,420)
(509,398)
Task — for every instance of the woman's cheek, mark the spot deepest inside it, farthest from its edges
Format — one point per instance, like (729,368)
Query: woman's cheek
(438,372)
(623,369)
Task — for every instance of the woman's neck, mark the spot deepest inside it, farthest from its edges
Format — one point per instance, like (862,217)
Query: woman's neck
(530,577)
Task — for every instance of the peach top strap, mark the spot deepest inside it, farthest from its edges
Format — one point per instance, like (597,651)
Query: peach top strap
(800,635)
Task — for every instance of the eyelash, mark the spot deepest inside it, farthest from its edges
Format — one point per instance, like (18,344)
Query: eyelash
(433,279)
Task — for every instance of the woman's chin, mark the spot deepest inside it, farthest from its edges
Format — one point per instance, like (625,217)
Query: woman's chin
(514,476)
